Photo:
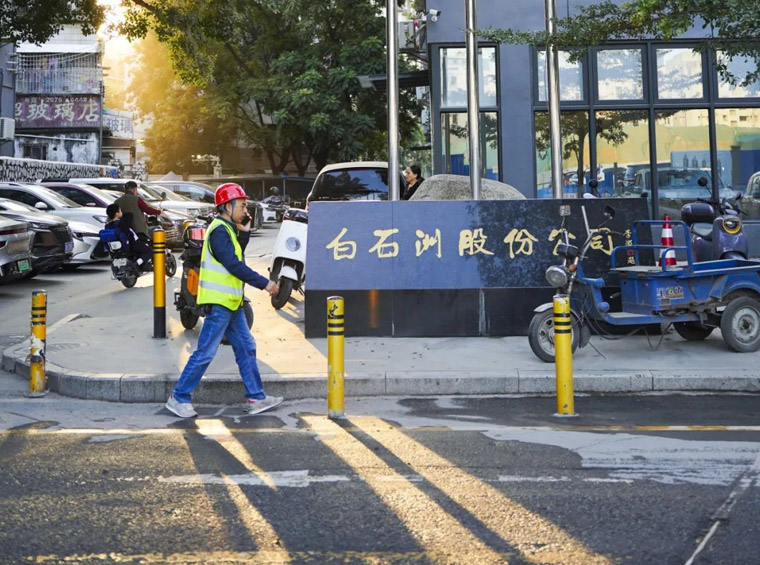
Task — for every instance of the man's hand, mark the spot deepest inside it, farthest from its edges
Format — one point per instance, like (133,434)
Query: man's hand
(272,288)
(245,226)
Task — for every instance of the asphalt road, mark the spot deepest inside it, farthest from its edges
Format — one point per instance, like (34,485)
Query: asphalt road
(423,480)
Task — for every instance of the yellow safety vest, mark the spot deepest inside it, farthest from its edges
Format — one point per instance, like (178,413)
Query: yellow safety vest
(216,285)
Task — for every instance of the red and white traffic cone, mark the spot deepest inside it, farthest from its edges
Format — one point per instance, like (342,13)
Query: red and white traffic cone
(667,241)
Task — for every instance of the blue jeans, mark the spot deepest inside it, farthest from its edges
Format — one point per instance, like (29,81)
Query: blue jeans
(221,322)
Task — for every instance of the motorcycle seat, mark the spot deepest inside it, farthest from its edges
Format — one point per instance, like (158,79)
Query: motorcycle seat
(702,230)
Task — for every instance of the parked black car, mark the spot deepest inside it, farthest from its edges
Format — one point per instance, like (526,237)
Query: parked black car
(53,243)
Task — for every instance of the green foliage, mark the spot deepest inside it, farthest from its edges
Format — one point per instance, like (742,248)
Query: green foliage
(729,26)
(185,119)
(286,69)
(35,21)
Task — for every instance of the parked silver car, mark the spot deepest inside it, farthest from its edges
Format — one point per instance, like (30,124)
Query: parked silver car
(15,249)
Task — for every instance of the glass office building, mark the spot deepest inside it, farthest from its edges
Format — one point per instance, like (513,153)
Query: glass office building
(644,119)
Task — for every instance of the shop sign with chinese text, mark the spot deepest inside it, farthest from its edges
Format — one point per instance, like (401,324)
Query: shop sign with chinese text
(70,111)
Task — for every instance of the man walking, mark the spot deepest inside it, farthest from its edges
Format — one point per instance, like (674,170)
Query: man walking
(222,276)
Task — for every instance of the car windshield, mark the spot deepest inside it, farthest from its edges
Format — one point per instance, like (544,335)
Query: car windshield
(169,195)
(683,178)
(52,197)
(104,194)
(353,184)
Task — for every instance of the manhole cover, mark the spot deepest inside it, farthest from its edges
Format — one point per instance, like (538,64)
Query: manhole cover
(63,346)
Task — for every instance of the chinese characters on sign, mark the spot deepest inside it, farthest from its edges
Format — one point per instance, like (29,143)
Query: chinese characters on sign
(471,242)
(58,111)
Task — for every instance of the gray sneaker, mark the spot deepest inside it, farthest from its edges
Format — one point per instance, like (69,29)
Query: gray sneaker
(181,409)
(259,406)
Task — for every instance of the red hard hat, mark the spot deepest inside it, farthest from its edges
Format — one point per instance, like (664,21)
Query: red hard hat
(228,191)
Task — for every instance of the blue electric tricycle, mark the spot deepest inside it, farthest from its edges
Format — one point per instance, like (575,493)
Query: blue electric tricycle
(694,297)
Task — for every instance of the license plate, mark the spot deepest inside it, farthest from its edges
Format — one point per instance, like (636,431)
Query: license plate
(23,266)
(69,247)
(120,262)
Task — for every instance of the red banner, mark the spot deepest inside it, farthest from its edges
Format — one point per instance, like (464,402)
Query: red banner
(58,112)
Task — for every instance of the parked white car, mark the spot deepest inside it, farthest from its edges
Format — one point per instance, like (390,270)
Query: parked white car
(86,243)
(44,199)
(164,199)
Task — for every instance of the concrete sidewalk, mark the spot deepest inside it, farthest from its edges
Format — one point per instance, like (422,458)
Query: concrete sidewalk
(115,358)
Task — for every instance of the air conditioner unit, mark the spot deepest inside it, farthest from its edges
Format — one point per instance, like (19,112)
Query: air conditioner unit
(7,128)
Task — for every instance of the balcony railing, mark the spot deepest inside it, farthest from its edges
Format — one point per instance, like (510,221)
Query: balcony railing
(73,81)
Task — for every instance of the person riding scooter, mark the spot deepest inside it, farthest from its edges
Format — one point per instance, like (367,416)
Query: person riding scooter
(122,226)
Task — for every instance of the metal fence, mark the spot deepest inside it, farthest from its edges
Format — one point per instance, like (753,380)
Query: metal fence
(78,73)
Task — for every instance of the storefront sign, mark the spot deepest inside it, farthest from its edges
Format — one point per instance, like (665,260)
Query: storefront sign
(119,123)
(456,245)
(58,112)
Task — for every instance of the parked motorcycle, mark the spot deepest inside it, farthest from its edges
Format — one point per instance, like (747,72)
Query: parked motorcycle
(124,262)
(288,267)
(716,229)
(186,300)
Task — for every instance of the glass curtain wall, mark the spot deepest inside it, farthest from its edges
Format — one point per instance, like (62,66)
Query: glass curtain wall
(456,149)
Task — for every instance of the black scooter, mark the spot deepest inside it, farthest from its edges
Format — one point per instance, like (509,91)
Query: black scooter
(186,300)
(124,262)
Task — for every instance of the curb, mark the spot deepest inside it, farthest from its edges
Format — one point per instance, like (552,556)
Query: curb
(228,389)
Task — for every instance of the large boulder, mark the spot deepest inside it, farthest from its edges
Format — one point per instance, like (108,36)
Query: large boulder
(457,187)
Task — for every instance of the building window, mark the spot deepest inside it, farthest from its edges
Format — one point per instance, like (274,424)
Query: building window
(739,154)
(570,78)
(679,74)
(454,77)
(575,153)
(619,74)
(683,157)
(35,152)
(456,150)
(622,150)
(740,67)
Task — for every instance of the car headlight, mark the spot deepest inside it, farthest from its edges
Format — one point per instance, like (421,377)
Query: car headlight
(557,276)
(101,219)
(193,212)
(293,244)
(37,226)
(80,235)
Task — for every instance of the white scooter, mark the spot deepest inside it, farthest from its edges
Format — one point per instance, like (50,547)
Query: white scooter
(288,267)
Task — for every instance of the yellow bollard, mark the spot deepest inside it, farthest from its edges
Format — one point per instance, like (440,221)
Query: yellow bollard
(335,358)
(159,284)
(563,355)
(37,384)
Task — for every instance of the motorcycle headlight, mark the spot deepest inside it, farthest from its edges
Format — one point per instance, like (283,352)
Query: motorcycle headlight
(732,225)
(557,276)
(293,244)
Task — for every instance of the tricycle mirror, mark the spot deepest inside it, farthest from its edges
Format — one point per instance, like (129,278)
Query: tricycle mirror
(609,212)
(564,210)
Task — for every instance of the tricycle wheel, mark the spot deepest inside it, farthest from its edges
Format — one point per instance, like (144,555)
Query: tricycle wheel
(692,331)
(740,324)
(541,335)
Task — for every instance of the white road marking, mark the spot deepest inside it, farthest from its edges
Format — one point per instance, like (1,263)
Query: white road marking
(291,479)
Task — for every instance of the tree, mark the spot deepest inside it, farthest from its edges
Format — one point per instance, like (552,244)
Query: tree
(35,21)
(731,27)
(287,70)
(184,120)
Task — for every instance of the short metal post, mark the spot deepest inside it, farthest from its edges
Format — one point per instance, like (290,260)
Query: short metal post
(37,381)
(335,358)
(159,284)
(563,355)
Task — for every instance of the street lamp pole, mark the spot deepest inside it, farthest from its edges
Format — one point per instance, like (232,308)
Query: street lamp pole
(552,68)
(473,102)
(394,184)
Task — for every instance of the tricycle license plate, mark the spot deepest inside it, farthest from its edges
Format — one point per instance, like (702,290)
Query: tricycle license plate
(120,262)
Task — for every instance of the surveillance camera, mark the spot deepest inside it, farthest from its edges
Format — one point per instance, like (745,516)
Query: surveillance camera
(434,15)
